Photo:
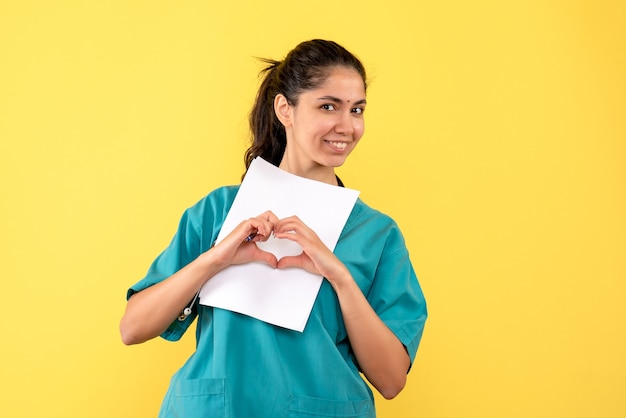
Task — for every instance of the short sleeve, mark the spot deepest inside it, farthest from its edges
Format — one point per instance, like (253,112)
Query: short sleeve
(182,250)
(197,231)
(396,295)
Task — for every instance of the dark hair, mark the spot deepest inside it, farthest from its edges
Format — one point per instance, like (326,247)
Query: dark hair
(304,68)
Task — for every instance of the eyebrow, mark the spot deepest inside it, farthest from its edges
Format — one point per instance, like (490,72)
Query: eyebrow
(338,100)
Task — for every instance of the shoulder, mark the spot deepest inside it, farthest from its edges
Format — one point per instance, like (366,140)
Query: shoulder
(216,202)
(221,195)
(371,224)
(362,213)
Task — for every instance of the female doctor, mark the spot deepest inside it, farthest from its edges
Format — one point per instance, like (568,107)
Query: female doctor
(369,314)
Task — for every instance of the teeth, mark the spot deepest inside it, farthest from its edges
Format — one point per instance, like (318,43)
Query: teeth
(340,145)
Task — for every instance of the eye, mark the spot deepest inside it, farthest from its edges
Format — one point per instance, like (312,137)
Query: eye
(358,110)
(328,106)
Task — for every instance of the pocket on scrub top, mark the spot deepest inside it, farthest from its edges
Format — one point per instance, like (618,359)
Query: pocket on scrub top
(304,406)
(197,398)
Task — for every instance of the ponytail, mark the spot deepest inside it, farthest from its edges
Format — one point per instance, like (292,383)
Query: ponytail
(268,134)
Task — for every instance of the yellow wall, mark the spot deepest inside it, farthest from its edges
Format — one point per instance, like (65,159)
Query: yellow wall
(496,137)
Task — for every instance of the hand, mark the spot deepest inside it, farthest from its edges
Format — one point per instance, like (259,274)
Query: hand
(236,249)
(315,258)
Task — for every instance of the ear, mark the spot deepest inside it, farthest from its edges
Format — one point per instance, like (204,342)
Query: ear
(283,109)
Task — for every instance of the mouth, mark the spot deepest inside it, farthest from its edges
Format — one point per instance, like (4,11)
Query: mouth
(338,146)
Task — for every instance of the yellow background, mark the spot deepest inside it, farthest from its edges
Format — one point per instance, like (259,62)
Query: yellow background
(496,137)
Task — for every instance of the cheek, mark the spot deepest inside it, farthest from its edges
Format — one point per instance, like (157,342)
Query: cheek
(359,129)
(322,127)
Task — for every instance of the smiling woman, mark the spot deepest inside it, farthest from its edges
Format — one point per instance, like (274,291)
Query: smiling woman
(370,311)
(325,125)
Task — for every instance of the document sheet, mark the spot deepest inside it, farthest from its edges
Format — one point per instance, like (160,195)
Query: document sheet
(282,297)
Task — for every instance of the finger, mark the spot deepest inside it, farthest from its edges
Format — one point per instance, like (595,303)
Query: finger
(245,231)
(290,235)
(289,227)
(259,229)
(268,221)
(297,232)
(290,221)
(291,261)
(266,257)
(268,216)
(249,232)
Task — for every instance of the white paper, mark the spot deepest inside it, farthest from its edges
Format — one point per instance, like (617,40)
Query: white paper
(282,297)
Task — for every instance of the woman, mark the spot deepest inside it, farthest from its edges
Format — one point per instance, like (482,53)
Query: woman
(369,314)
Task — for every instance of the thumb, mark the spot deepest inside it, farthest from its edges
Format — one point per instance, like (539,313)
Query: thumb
(291,261)
(266,257)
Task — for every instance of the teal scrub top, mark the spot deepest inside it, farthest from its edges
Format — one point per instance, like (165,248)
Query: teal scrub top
(246,368)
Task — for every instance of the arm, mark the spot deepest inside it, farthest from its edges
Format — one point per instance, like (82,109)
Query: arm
(381,356)
(149,312)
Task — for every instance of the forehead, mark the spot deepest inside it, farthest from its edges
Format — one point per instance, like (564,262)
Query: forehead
(342,82)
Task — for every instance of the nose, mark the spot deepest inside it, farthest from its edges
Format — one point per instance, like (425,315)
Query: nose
(345,124)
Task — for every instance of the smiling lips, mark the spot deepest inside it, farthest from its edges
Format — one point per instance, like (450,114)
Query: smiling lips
(338,145)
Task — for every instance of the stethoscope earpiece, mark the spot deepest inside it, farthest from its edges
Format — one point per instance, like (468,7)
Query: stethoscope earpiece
(187,311)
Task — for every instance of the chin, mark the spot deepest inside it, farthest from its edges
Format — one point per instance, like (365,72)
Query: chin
(334,162)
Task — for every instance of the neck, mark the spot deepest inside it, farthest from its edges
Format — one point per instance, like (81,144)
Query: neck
(313,171)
